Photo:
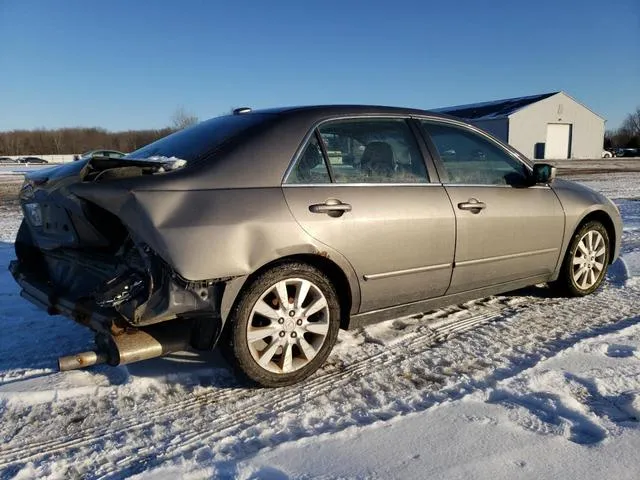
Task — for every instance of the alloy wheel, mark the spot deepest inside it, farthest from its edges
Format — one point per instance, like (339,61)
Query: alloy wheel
(288,325)
(589,259)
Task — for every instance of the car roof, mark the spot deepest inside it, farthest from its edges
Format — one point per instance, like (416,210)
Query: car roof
(332,110)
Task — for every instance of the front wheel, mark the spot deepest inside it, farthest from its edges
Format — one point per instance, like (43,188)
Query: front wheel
(284,325)
(585,263)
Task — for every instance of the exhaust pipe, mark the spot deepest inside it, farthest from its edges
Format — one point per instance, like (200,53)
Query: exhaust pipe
(132,346)
(81,360)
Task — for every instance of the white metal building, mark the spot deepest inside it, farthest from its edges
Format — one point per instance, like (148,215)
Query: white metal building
(550,125)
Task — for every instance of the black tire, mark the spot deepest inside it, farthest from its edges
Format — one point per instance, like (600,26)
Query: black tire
(566,284)
(235,345)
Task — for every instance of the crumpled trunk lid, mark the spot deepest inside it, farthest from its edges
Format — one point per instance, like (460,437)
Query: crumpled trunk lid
(58,217)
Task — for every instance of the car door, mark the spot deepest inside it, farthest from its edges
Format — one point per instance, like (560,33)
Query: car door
(507,229)
(360,186)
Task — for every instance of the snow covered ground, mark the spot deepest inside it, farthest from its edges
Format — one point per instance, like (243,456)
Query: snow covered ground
(522,385)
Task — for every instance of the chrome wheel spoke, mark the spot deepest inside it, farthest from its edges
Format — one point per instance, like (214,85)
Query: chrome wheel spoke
(585,279)
(259,333)
(582,246)
(266,310)
(598,241)
(579,260)
(316,306)
(592,277)
(301,293)
(307,349)
(598,266)
(317,328)
(283,296)
(287,363)
(601,252)
(578,275)
(268,354)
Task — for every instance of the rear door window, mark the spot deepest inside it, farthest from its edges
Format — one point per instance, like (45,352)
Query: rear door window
(370,150)
(310,168)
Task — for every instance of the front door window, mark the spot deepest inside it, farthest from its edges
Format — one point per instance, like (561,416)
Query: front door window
(472,159)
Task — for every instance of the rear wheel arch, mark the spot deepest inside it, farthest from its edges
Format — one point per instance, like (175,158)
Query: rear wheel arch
(331,269)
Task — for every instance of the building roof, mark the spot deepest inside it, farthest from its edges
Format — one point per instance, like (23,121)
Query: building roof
(494,109)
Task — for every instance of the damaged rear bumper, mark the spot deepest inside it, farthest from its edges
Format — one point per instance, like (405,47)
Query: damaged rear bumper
(42,295)
(122,293)
(172,324)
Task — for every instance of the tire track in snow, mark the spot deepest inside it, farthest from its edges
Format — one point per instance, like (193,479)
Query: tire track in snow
(424,334)
(276,402)
(142,459)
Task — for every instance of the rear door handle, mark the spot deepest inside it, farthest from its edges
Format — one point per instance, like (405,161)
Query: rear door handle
(332,207)
(473,205)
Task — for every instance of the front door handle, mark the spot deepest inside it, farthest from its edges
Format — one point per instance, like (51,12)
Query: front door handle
(332,207)
(473,205)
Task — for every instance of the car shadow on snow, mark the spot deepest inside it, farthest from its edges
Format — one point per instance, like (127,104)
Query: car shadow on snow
(617,276)
(189,368)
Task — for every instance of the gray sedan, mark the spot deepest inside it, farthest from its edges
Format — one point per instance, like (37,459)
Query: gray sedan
(265,232)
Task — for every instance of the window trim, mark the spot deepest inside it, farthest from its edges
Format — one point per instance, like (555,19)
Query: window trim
(442,172)
(325,155)
(417,136)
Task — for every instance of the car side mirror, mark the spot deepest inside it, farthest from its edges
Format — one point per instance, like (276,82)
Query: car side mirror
(543,173)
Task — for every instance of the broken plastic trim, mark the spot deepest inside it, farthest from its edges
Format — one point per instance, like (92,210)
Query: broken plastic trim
(119,290)
(151,292)
(103,167)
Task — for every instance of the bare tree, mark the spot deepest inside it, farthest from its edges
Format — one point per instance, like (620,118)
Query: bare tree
(57,138)
(628,135)
(182,119)
(631,124)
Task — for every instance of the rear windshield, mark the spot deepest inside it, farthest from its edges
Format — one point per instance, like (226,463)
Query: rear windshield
(194,142)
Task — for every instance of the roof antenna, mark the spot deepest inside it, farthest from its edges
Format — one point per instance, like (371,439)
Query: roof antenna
(241,110)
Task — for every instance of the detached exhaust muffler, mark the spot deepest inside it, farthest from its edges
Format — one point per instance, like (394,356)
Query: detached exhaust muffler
(132,346)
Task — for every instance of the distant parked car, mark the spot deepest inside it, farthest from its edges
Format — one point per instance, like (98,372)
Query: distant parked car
(628,152)
(7,160)
(101,154)
(32,160)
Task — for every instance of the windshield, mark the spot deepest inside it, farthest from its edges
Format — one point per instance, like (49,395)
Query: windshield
(194,142)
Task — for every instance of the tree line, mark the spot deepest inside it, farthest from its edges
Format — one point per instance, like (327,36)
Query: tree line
(75,140)
(628,135)
(78,140)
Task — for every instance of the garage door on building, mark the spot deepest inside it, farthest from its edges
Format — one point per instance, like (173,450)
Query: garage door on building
(558,143)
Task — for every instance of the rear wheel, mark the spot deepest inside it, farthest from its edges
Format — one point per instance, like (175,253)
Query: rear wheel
(586,261)
(284,325)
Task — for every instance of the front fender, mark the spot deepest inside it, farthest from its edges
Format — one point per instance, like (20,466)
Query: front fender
(580,202)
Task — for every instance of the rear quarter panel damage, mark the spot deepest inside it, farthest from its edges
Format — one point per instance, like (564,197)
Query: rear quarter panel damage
(219,233)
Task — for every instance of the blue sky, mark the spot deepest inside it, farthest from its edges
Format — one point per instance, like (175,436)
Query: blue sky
(124,64)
